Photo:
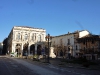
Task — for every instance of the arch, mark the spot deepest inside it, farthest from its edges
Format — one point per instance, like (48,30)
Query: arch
(32,49)
(25,49)
(18,49)
(39,49)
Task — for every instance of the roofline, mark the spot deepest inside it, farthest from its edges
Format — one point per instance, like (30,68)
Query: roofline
(28,27)
(71,33)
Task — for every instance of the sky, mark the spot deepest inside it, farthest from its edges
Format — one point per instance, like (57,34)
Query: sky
(56,16)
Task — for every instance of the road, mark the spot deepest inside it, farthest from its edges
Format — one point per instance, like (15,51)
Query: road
(13,66)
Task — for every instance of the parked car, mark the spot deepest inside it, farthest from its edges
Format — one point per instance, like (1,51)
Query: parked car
(12,54)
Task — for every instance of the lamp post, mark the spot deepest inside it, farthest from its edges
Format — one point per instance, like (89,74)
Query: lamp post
(48,48)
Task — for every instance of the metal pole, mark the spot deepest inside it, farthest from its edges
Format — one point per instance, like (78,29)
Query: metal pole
(48,47)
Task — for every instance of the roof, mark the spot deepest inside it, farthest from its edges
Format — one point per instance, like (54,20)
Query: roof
(90,36)
(70,33)
(28,27)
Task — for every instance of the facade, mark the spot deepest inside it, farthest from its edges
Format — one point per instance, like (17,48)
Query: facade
(26,40)
(67,44)
(89,46)
(1,47)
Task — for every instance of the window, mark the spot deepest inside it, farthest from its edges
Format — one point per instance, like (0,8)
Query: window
(39,38)
(35,36)
(18,36)
(32,38)
(43,38)
(61,42)
(84,42)
(92,41)
(14,37)
(26,37)
(68,41)
(84,48)
(76,47)
(93,48)
(76,53)
(69,48)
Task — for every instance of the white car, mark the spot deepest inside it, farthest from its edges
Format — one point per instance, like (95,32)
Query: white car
(12,54)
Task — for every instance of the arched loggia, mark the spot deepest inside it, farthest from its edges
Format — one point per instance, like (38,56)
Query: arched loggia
(39,49)
(32,49)
(25,49)
(18,49)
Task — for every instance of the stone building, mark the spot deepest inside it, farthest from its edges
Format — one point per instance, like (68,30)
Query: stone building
(1,47)
(89,46)
(26,40)
(67,43)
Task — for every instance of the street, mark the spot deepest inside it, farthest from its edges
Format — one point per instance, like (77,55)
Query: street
(11,67)
(15,66)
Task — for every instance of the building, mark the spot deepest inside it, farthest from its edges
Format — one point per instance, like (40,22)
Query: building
(25,40)
(67,44)
(1,47)
(89,46)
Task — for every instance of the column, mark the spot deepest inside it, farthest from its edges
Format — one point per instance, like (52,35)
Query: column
(22,49)
(15,35)
(12,48)
(35,48)
(29,49)
(14,45)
